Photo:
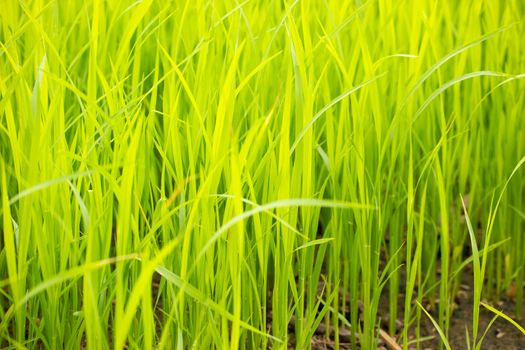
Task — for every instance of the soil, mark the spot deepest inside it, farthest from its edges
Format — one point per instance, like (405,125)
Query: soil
(501,335)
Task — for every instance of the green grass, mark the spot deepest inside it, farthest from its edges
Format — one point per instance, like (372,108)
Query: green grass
(223,174)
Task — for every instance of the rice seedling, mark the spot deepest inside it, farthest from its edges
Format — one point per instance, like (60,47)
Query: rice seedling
(303,174)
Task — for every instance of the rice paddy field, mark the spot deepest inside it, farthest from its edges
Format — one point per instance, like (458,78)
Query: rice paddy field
(308,174)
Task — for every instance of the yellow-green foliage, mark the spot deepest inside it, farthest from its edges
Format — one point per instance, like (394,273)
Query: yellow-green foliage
(226,174)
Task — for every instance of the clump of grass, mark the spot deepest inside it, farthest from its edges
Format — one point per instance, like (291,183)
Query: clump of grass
(217,174)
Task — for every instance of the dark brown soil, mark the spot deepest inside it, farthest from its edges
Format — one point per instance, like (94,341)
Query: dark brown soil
(501,335)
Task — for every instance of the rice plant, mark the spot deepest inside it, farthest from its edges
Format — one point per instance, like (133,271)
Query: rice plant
(279,174)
